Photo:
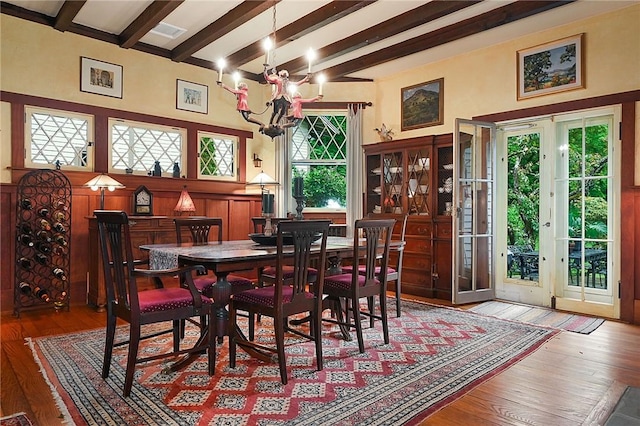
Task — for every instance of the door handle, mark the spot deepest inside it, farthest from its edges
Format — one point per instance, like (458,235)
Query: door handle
(548,224)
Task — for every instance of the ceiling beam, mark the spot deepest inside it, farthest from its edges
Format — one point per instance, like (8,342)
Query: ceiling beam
(325,15)
(237,16)
(146,21)
(396,25)
(67,12)
(486,21)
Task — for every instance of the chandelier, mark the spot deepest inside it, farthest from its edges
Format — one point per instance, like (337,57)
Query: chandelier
(286,102)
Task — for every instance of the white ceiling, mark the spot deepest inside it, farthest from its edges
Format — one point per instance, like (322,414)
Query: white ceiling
(114,16)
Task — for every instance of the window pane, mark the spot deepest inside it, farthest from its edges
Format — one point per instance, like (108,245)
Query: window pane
(58,138)
(136,147)
(319,154)
(217,156)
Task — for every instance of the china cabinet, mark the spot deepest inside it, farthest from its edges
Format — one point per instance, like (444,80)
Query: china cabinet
(415,177)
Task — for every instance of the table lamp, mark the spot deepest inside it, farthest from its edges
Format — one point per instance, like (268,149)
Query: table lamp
(102,182)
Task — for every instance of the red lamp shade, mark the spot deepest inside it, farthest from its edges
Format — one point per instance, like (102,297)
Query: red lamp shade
(185,203)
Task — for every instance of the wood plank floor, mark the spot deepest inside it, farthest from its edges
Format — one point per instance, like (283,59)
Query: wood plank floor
(573,379)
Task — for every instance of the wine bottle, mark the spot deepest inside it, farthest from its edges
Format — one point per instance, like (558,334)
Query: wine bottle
(59,274)
(44,236)
(59,227)
(58,250)
(42,293)
(26,204)
(58,215)
(60,240)
(43,247)
(25,239)
(25,228)
(44,212)
(25,263)
(44,224)
(41,258)
(25,287)
(61,205)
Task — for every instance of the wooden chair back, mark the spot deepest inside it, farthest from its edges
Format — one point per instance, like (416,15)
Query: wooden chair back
(199,228)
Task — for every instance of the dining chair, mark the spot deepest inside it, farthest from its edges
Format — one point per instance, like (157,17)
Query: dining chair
(394,272)
(286,297)
(266,275)
(199,230)
(138,308)
(372,254)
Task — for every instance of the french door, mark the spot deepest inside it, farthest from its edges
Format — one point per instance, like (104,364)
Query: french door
(473,224)
(558,207)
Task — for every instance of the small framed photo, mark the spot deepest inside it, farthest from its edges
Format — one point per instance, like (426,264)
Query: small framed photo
(551,68)
(422,105)
(192,96)
(101,78)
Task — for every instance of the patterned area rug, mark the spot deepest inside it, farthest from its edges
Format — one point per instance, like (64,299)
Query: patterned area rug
(539,316)
(18,419)
(435,356)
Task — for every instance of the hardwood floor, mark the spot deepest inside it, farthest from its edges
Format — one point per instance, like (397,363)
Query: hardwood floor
(573,379)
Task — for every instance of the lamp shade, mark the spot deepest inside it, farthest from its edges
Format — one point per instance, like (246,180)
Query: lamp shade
(185,203)
(262,179)
(103,181)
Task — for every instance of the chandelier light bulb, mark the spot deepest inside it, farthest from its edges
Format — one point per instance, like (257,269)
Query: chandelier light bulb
(320,79)
(221,64)
(236,79)
(311,55)
(267,44)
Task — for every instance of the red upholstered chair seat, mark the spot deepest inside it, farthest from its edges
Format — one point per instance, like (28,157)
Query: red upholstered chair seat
(343,281)
(265,296)
(162,299)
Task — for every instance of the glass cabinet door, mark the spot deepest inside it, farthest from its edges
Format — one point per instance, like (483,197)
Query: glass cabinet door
(444,194)
(419,181)
(392,183)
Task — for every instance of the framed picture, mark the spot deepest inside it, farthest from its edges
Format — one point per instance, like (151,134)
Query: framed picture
(192,96)
(101,78)
(551,68)
(422,105)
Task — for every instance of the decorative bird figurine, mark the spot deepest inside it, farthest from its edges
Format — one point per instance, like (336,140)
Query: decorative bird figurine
(385,134)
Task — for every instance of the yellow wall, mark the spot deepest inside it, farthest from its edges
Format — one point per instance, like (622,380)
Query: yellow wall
(40,61)
(484,81)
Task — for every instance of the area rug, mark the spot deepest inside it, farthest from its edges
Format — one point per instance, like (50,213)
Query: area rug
(17,419)
(539,316)
(435,356)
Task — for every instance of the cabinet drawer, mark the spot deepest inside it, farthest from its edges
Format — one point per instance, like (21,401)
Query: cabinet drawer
(421,228)
(166,223)
(416,261)
(140,225)
(443,230)
(416,278)
(417,245)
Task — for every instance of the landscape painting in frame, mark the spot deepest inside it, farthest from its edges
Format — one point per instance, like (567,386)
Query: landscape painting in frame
(422,105)
(550,68)
(101,78)
(192,96)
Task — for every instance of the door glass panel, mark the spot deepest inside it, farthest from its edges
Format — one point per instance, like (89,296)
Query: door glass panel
(523,201)
(588,208)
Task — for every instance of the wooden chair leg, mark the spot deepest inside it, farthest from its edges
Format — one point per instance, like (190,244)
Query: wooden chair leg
(383,314)
(134,342)
(317,335)
(108,345)
(176,335)
(211,339)
(232,335)
(282,361)
(355,307)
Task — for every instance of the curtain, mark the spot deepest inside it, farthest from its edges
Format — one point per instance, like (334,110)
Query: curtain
(355,161)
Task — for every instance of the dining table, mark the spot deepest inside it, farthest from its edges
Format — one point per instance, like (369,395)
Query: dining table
(529,263)
(223,258)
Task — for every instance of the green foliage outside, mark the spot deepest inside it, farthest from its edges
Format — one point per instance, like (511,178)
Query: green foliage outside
(208,164)
(324,182)
(524,188)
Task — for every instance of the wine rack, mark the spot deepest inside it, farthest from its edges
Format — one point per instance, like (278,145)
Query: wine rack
(44,241)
